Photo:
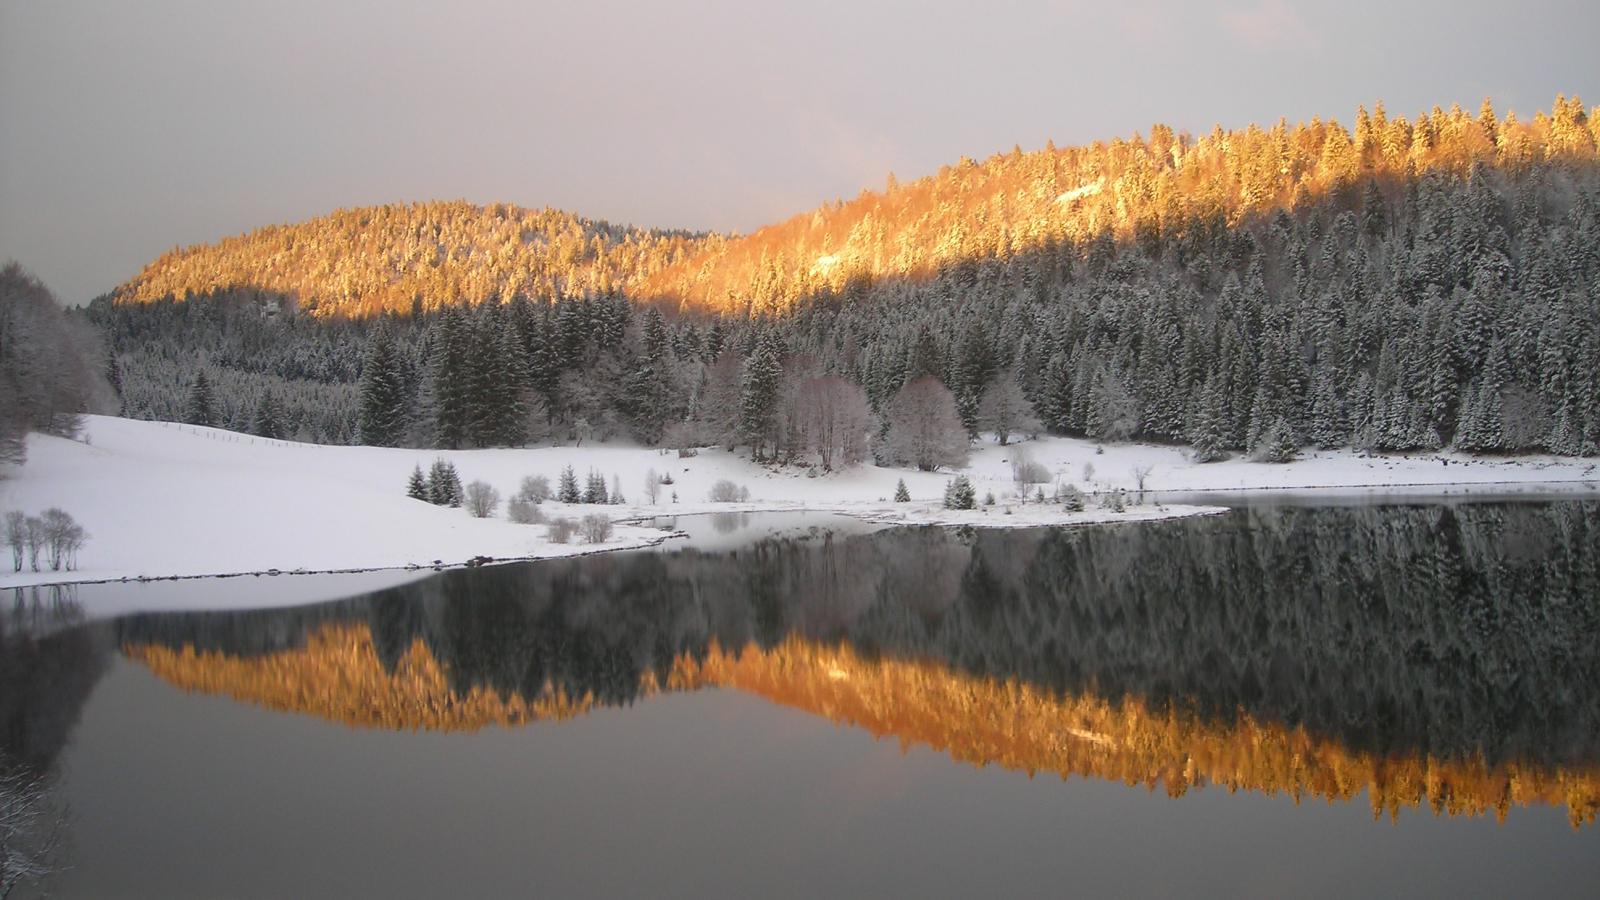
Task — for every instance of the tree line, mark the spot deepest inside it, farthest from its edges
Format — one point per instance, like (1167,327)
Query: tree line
(1422,311)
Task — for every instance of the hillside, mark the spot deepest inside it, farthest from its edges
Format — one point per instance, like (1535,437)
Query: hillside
(1143,189)
(1398,286)
(361,262)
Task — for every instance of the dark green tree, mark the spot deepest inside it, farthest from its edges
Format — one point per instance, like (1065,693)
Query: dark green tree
(385,403)
(200,408)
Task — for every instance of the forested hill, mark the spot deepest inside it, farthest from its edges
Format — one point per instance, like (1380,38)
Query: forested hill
(1402,286)
(362,262)
(1164,187)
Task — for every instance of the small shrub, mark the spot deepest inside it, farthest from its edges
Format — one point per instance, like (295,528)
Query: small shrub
(482,499)
(523,511)
(535,489)
(560,531)
(901,493)
(725,491)
(988,499)
(596,528)
(960,494)
(1114,501)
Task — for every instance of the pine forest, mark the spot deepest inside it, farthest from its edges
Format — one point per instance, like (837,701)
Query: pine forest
(1392,286)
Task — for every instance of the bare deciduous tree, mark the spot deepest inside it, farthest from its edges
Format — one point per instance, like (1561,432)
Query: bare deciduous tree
(17,537)
(62,538)
(652,486)
(32,822)
(535,488)
(924,429)
(834,420)
(1026,471)
(49,366)
(482,499)
(1004,411)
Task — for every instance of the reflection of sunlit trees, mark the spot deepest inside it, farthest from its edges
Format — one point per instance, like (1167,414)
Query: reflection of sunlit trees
(1438,656)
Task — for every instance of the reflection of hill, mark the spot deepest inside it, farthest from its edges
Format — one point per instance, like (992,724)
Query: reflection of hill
(1399,646)
(49,664)
(337,675)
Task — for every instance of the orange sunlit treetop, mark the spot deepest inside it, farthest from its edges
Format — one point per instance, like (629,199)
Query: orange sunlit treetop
(364,261)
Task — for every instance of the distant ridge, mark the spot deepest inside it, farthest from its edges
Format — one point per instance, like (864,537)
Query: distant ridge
(364,261)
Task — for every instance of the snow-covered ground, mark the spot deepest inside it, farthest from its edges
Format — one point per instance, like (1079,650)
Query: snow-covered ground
(161,500)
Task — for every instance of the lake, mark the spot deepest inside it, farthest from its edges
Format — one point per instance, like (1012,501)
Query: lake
(1284,701)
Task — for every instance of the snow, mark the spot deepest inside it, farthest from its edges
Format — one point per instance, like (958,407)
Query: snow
(161,500)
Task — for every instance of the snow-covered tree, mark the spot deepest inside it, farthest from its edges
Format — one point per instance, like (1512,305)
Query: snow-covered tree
(924,429)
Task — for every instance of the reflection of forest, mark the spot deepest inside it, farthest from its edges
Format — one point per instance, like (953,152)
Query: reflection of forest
(1448,655)
(49,664)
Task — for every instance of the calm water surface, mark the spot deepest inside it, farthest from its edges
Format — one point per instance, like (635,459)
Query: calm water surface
(1382,701)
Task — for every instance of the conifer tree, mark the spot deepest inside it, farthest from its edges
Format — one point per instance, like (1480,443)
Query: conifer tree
(452,380)
(417,486)
(758,397)
(268,420)
(383,418)
(444,485)
(200,408)
(594,489)
(567,487)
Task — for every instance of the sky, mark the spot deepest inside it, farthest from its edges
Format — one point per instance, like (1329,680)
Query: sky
(129,128)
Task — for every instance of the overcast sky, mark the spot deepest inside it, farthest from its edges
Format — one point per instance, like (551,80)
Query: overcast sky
(129,127)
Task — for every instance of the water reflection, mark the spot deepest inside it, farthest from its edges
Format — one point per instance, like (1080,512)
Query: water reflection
(1438,655)
(49,663)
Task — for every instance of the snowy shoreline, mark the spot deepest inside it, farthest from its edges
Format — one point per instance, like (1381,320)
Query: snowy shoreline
(163,502)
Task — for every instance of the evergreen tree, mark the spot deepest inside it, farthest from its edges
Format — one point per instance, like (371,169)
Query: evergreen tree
(452,380)
(758,396)
(594,489)
(417,486)
(567,487)
(200,408)
(384,399)
(444,485)
(901,493)
(268,421)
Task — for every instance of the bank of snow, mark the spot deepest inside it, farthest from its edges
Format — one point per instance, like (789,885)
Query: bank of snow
(162,500)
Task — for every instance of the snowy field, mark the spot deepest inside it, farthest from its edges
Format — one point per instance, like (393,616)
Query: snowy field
(161,500)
